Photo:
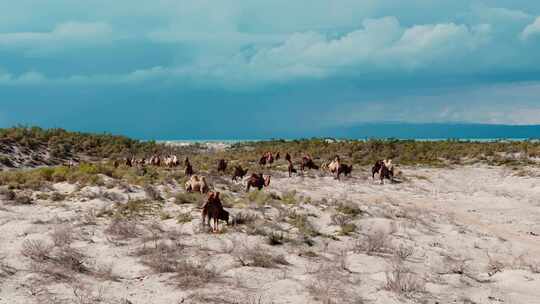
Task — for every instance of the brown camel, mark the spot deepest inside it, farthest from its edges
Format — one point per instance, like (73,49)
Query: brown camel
(257,181)
(213,209)
(307,162)
(239,173)
(385,169)
(222,165)
(189,169)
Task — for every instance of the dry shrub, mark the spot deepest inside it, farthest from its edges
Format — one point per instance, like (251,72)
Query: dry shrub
(375,242)
(104,272)
(161,258)
(89,217)
(244,218)
(152,193)
(193,275)
(494,265)
(276,238)
(36,250)
(403,281)
(62,235)
(259,257)
(184,217)
(122,229)
(82,295)
(113,196)
(329,286)
(23,199)
(5,269)
(55,262)
(57,197)
(403,252)
(137,208)
(188,198)
(349,208)
(7,194)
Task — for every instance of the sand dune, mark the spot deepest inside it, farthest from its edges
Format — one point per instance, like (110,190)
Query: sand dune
(468,234)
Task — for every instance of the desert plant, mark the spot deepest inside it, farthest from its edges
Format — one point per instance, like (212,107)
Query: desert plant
(122,229)
(184,217)
(375,242)
(62,235)
(152,193)
(188,198)
(403,281)
(193,275)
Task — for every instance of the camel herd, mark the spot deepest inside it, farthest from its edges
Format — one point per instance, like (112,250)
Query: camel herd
(213,209)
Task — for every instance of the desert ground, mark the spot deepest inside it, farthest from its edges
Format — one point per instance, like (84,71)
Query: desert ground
(453,234)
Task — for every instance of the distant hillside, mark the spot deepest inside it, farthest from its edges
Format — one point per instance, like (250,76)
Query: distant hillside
(32,147)
(435,131)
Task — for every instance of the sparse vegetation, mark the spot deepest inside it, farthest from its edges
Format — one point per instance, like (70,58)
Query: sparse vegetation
(403,281)
(375,242)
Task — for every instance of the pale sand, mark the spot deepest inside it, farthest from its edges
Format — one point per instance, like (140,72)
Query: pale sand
(447,215)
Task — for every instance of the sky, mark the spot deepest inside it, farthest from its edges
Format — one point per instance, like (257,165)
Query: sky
(168,69)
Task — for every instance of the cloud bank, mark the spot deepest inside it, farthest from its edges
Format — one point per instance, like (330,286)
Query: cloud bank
(314,54)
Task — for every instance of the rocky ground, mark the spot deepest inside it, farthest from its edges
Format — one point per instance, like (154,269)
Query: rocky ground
(466,234)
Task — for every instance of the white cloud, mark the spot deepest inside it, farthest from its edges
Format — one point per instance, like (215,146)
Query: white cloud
(379,45)
(63,35)
(532,29)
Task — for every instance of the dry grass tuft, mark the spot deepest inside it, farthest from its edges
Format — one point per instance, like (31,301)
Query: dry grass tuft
(259,257)
(403,281)
(152,193)
(375,242)
(193,275)
(5,269)
(62,235)
(188,198)
(122,229)
(59,263)
(163,257)
(244,218)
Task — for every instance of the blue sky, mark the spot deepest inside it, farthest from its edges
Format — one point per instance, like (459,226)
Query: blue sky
(191,69)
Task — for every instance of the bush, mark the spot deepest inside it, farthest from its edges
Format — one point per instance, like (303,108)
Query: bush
(137,208)
(188,198)
(8,194)
(23,199)
(152,193)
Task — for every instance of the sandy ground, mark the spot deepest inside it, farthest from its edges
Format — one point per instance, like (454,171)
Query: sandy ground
(443,235)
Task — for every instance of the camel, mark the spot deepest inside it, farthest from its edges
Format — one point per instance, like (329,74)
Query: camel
(307,162)
(384,168)
(257,181)
(239,173)
(325,166)
(222,165)
(288,157)
(267,158)
(291,168)
(189,169)
(334,166)
(197,183)
(345,170)
(337,168)
(155,160)
(213,209)
(171,161)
